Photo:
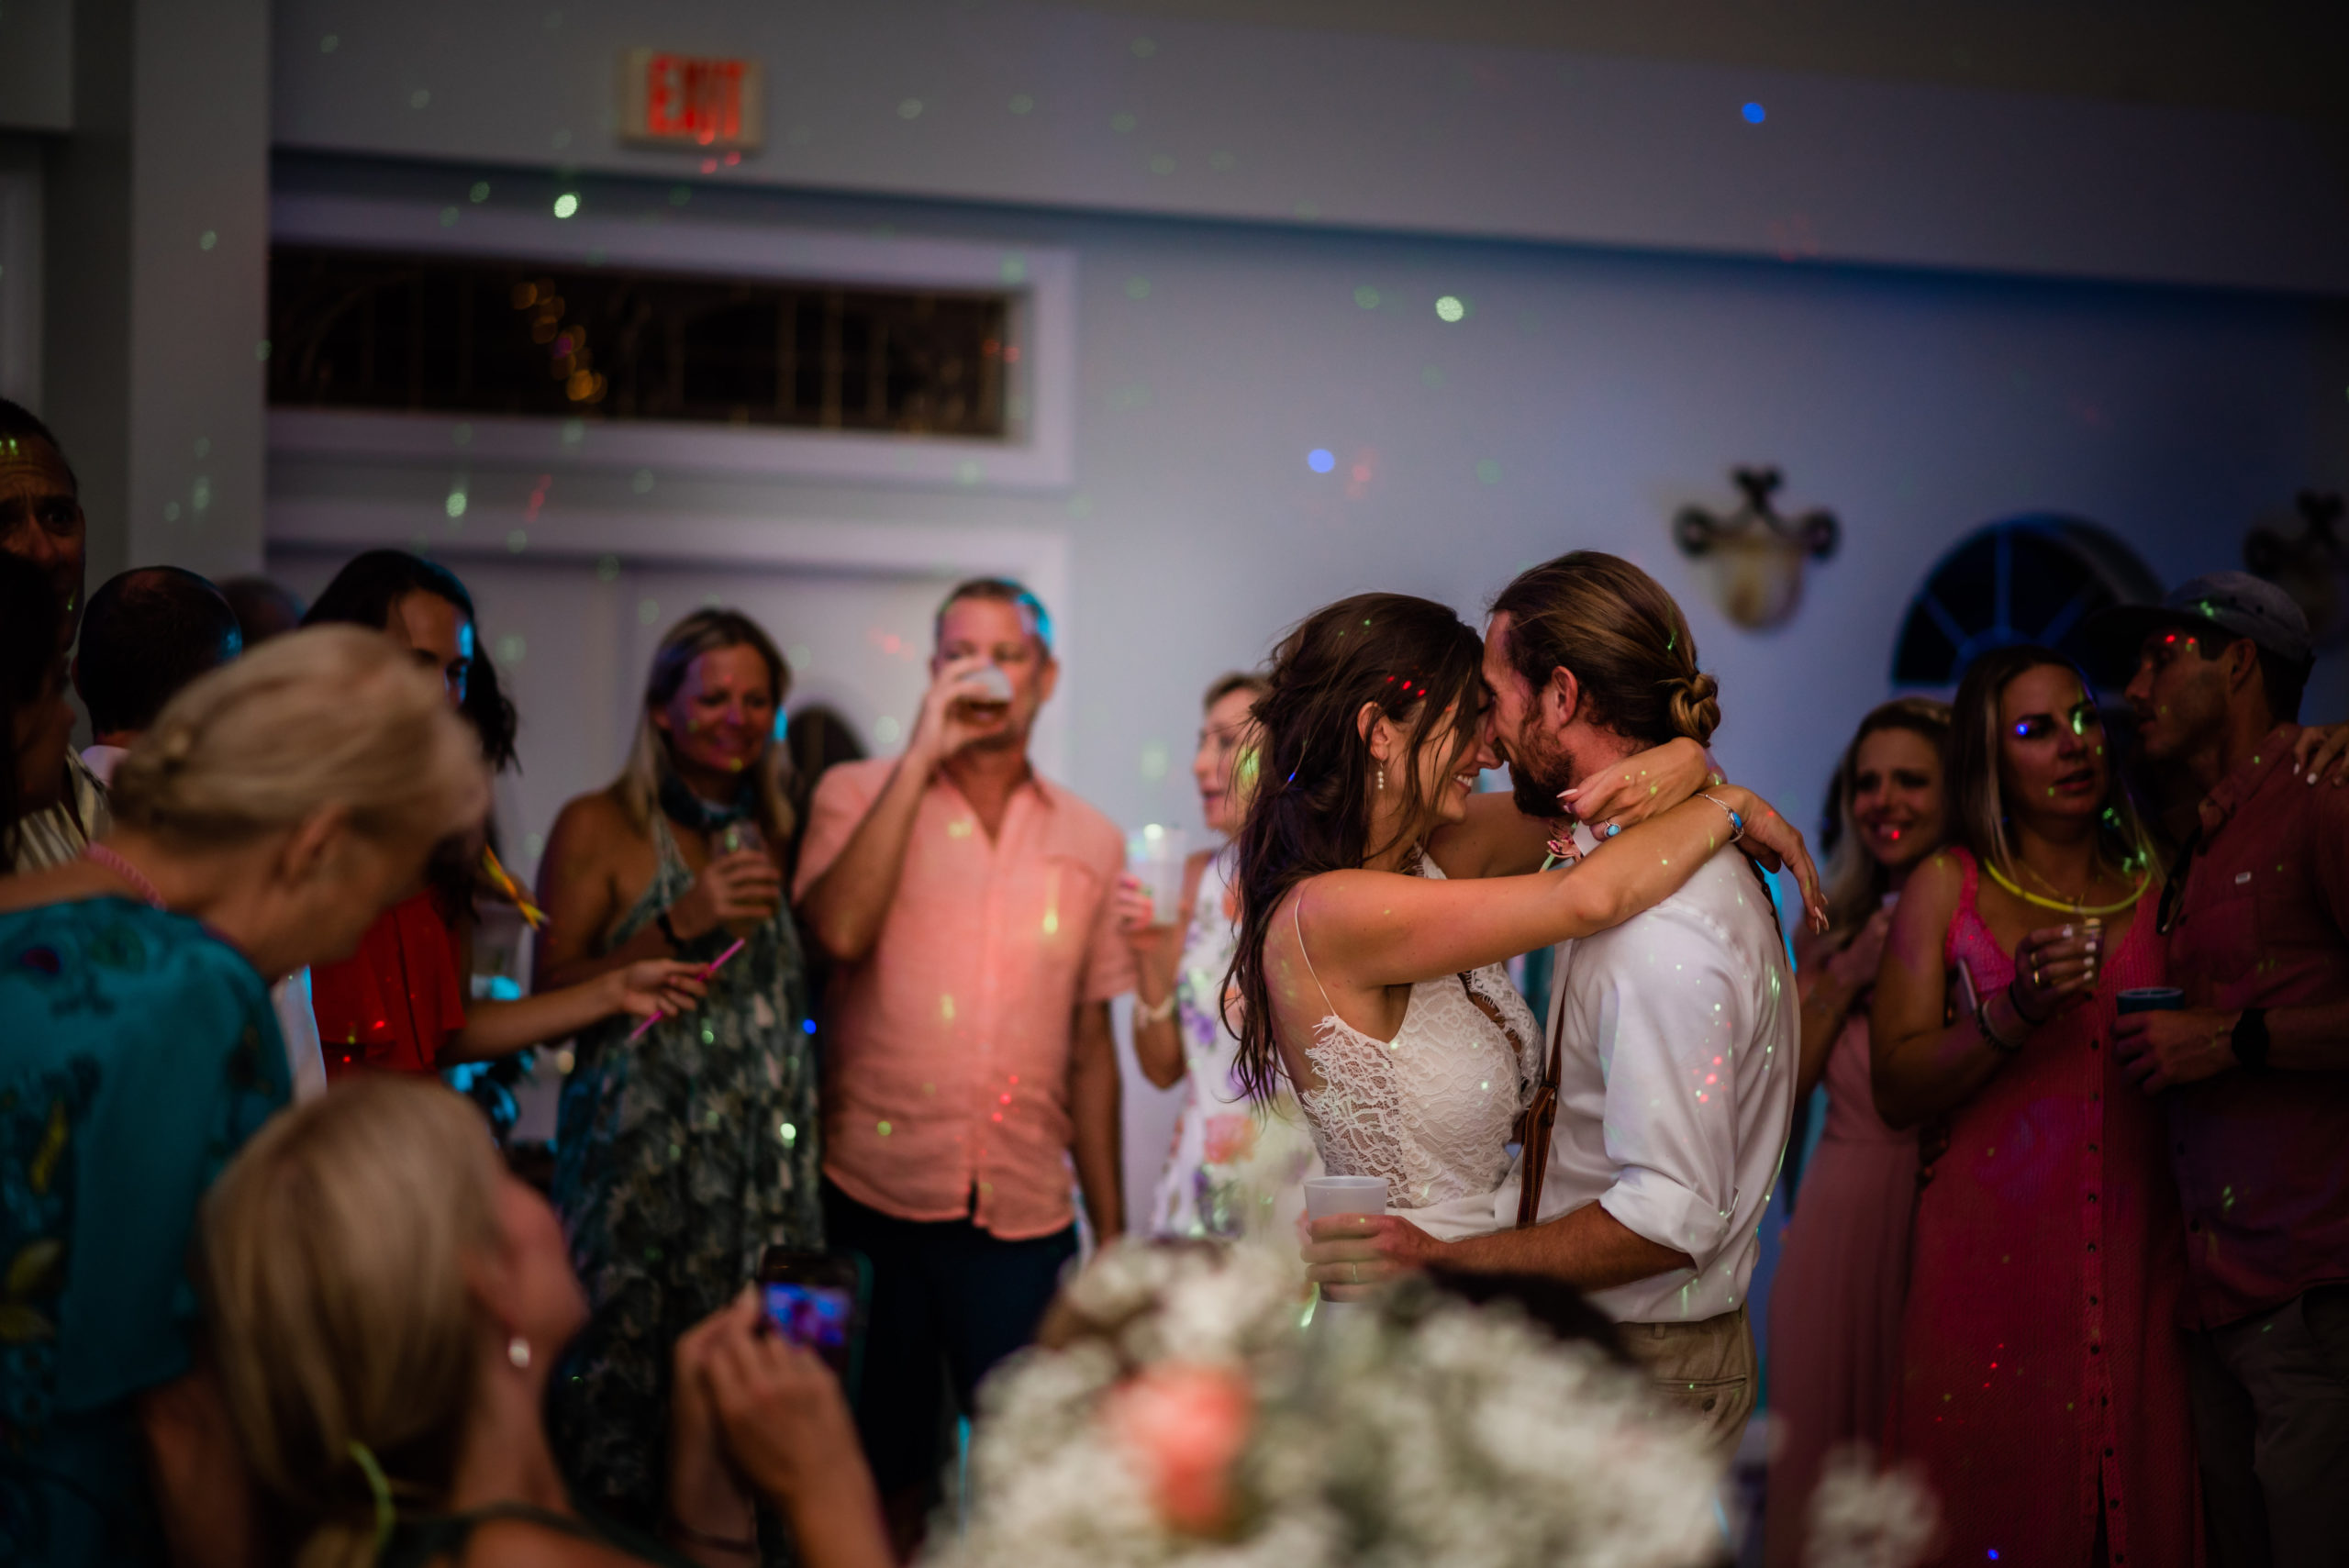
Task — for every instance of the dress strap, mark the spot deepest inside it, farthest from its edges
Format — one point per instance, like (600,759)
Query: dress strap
(1297,923)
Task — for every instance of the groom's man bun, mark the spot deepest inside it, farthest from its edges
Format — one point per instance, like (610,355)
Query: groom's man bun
(1622,636)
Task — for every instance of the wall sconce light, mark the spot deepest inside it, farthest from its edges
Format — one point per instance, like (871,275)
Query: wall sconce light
(1752,560)
(2313,568)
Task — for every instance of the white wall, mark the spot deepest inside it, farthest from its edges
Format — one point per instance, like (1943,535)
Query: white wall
(1607,389)
(1224,120)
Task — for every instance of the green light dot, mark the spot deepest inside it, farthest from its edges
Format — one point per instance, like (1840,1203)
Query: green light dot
(1367,297)
(1451,307)
(647,611)
(1137,288)
(1022,104)
(884,1129)
(1488,471)
(480,192)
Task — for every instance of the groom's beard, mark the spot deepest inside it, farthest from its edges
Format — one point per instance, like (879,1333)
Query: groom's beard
(1535,778)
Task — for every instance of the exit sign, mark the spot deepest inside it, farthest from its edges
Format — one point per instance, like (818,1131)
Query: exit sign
(693,103)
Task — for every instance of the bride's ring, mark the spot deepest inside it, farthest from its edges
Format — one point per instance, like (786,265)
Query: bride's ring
(2035,976)
(1612,828)
(1354,1274)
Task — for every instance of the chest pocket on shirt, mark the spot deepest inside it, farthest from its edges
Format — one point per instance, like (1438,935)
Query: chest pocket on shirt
(2224,931)
(1070,899)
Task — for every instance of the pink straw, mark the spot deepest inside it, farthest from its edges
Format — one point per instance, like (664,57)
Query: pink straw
(707,970)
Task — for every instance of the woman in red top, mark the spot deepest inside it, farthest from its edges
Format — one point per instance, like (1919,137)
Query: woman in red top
(2043,1387)
(398,1003)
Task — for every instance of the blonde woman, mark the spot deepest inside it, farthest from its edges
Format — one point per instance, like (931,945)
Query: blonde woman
(1236,1169)
(277,805)
(385,1301)
(681,1156)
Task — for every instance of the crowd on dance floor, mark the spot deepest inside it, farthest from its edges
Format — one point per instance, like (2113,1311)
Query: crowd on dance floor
(1430,1275)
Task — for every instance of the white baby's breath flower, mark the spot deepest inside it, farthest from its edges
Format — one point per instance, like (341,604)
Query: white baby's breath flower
(1864,1518)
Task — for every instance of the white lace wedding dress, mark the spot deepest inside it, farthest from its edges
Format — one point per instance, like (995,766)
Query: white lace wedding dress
(1433,1109)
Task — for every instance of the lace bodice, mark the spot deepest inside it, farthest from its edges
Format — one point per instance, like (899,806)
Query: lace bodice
(1432,1110)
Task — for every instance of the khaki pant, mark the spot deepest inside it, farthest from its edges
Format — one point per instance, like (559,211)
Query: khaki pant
(1704,1369)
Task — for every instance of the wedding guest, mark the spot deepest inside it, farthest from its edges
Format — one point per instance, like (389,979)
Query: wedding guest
(265,609)
(398,1004)
(1235,1168)
(33,701)
(386,1302)
(682,1154)
(41,524)
(2253,1073)
(968,903)
(2044,1386)
(142,1051)
(147,633)
(1836,1301)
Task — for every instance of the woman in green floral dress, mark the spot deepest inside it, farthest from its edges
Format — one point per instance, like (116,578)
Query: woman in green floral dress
(684,1153)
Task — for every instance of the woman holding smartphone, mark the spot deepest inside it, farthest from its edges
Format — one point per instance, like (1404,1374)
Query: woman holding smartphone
(683,1152)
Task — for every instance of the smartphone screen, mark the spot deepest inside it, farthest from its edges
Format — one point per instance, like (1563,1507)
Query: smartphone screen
(814,1316)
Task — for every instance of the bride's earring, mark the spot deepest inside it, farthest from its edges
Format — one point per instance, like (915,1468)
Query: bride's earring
(1382,775)
(517,1351)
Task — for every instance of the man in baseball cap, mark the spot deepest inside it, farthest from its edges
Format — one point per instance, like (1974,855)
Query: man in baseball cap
(2252,1060)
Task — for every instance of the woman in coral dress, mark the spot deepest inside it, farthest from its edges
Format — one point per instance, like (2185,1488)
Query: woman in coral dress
(1843,1279)
(2043,1387)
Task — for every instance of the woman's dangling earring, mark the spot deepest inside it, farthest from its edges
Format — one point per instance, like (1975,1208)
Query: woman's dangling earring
(1382,775)
(517,1351)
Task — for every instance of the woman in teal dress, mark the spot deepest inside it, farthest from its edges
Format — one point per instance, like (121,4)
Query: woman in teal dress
(684,1153)
(275,807)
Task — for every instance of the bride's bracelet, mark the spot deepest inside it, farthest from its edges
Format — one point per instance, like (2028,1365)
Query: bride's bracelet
(1736,823)
(1153,1012)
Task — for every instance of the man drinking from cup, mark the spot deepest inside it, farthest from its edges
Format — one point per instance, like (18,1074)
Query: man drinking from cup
(967,903)
(2255,1064)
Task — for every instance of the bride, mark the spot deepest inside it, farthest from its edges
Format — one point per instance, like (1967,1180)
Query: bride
(1380,896)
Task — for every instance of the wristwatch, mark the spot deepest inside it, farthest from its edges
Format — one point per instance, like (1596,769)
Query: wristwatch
(2249,1039)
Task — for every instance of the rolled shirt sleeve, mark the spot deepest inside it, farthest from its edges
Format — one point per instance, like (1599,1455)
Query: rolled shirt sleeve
(1666,1020)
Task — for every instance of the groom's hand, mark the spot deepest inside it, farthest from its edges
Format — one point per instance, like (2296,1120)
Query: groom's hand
(1347,1250)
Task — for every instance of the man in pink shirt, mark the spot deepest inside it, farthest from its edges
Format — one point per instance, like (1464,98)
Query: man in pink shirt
(966,902)
(2254,1068)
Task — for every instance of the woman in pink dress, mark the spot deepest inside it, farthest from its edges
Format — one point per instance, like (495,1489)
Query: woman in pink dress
(2044,1386)
(1835,1304)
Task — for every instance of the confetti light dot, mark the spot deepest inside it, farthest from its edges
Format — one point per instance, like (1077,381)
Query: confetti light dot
(1488,471)
(448,218)
(1430,377)
(642,483)
(883,1127)
(1755,115)
(1321,459)
(680,195)
(909,109)
(419,98)
(800,655)
(1122,123)
(510,649)
(261,349)
(516,541)
(1143,48)
(647,611)
(203,447)
(171,511)
(565,205)
(208,239)
(1219,162)
(1022,104)
(462,435)
(785,1130)
(534,844)
(1137,288)
(1154,760)
(329,44)
(1014,269)
(1367,297)
(455,504)
(969,472)
(1161,165)
(886,729)
(559,141)
(1451,307)
(480,192)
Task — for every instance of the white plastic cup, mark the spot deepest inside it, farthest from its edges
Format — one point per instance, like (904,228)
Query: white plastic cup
(1329,1196)
(1154,854)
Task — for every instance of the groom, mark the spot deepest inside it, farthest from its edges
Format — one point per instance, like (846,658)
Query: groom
(1678,1028)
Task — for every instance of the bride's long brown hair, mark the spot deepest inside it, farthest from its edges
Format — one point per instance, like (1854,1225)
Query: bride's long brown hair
(1310,809)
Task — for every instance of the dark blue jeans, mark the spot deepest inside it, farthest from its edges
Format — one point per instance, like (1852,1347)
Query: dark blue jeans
(949,1301)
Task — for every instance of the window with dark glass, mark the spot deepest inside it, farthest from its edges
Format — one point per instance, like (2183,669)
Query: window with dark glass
(351,329)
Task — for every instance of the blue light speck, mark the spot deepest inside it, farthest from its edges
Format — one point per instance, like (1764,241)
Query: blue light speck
(1320,459)
(1753,114)
(807,1026)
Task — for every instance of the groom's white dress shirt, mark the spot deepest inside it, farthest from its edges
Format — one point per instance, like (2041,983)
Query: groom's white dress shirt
(1677,1088)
